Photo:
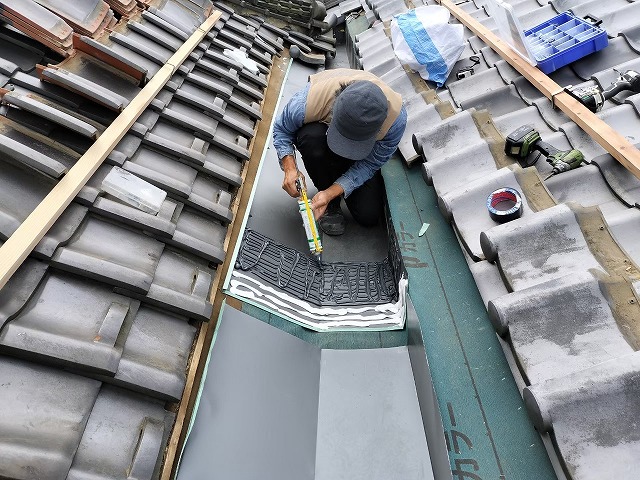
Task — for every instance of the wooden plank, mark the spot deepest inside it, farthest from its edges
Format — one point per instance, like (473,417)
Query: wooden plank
(239,208)
(614,143)
(36,225)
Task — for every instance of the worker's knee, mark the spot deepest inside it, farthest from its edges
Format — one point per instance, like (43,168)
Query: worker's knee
(311,142)
(312,135)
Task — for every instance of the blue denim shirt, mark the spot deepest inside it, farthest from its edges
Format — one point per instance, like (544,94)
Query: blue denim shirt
(292,118)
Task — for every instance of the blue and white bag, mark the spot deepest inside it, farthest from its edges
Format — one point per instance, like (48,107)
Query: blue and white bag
(425,41)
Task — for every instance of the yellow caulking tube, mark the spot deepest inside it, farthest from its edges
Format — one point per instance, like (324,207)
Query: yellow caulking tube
(309,222)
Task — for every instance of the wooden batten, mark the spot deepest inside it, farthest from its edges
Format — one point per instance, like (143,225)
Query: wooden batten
(614,143)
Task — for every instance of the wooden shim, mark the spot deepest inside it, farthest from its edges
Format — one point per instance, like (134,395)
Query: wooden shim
(36,225)
(614,143)
(205,334)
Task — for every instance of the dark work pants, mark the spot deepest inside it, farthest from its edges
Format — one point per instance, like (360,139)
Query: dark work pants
(324,167)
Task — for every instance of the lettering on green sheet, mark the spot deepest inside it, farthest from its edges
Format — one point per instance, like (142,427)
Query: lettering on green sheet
(409,249)
(460,448)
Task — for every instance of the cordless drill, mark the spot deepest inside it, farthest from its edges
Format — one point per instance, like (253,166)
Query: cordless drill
(593,97)
(525,140)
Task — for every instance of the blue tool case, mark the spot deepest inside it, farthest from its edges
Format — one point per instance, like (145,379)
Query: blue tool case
(564,39)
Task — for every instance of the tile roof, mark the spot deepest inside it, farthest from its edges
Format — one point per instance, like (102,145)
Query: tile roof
(559,283)
(98,324)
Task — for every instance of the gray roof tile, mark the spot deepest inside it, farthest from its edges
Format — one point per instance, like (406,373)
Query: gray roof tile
(466,205)
(181,284)
(111,253)
(49,410)
(65,311)
(21,191)
(155,354)
(546,245)
(125,432)
(72,321)
(16,293)
(552,333)
(589,413)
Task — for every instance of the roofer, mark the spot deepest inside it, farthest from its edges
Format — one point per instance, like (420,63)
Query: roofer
(345,124)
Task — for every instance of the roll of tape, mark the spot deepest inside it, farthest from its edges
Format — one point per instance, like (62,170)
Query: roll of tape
(501,196)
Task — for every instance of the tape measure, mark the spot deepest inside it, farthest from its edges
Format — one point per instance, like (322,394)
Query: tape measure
(501,198)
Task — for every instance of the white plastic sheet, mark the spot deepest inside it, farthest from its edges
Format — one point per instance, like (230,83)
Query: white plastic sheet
(425,41)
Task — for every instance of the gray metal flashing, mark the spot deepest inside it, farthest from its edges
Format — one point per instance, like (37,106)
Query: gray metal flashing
(317,405)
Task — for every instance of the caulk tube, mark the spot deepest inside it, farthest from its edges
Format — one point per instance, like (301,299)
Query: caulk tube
(307,217)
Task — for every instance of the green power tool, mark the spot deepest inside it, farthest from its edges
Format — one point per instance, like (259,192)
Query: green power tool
(525,140)
(593,97)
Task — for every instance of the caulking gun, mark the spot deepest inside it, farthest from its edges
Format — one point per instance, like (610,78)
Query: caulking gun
(308,220)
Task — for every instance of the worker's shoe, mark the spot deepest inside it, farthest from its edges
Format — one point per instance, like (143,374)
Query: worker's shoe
(333,221)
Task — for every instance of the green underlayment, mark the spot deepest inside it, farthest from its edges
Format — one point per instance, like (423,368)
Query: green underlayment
(488,432)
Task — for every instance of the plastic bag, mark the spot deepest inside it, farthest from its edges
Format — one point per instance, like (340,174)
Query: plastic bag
(425,41)
(242,57)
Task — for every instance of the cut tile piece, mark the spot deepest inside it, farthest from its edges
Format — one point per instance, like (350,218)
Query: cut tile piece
(199,234)
(181,284)
(155,354)
(161,225)
(61,231)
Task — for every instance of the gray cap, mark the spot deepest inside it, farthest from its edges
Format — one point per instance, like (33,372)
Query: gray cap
(358,113)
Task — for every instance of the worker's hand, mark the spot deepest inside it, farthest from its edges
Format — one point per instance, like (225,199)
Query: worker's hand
(321,199)
(319,203)
(291,174)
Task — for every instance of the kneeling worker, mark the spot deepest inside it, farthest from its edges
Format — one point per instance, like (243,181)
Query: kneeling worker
(345,124)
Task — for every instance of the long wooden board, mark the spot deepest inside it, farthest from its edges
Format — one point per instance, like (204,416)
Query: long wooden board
(614,143)
(36,225)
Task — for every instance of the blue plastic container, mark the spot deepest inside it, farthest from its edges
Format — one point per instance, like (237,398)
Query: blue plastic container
(564,39)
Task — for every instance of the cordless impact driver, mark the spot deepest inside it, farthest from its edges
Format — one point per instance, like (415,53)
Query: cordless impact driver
(525,140)
(593,97)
